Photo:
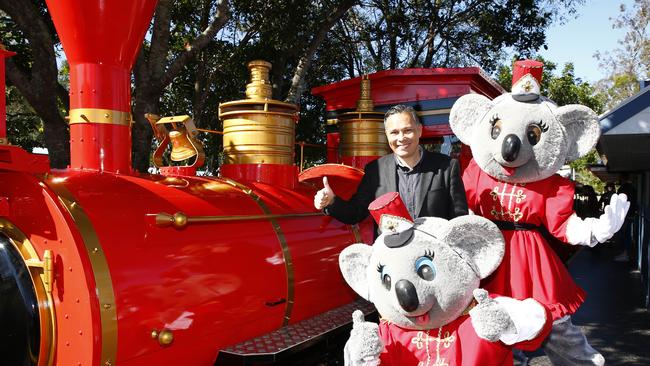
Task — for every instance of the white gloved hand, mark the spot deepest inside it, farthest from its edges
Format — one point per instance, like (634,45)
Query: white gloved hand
(324,197)
(612,219)
(364,346)
(489,318)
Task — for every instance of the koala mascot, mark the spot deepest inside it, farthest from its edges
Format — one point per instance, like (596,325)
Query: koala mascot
(423,278)
(519,141)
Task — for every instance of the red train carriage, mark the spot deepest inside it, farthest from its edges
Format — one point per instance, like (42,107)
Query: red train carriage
(100,265)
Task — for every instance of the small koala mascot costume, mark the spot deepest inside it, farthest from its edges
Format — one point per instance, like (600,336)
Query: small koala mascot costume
(519,141)
(423,277)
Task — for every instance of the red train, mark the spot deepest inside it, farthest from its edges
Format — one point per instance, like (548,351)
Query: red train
(100,265)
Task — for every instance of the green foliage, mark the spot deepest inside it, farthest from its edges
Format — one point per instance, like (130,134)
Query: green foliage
(373,35)
(630,63)
(381,35)
(24,127)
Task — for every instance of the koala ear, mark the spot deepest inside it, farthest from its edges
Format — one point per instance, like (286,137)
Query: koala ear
(583,129)
(353,262)
(466,113)
(478,240)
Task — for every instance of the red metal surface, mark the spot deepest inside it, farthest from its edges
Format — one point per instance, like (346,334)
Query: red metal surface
(38,213)
(285,176)
(358,161)
(436,131)
(343,179)
(399,86)
(16,159)
(97,31)
(103,147)
(333,141)
(212,284)
(101,40)
(390,87)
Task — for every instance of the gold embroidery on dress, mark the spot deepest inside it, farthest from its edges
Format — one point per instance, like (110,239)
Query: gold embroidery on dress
(422,339)
(505,210)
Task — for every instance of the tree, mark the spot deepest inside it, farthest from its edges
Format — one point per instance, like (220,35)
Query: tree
(24,128)
(174,46)
(630,63)
(195,53)
(26,28)
(391,34)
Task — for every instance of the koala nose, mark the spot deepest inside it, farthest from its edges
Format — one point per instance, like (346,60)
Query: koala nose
(510,147)
(406,295)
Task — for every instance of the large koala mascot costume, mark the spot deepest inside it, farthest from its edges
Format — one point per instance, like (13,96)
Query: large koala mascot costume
(519,141)
(423,277)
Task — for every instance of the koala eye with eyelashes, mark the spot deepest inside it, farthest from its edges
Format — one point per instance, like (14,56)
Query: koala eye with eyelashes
(496,127)
(533,133)
(425,268)
(383,276)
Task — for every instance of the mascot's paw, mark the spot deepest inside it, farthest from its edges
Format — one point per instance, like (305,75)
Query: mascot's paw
(364,346)
(612,219)
(489,318)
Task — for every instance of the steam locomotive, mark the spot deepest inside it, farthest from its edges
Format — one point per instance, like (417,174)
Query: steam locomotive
(100,265)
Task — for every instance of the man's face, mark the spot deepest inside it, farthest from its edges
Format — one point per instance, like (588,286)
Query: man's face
(403,135)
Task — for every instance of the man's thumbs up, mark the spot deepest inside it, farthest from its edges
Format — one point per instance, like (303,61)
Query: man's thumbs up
(325,196)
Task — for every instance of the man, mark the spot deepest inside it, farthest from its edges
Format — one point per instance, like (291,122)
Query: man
(428,183)
(610,189)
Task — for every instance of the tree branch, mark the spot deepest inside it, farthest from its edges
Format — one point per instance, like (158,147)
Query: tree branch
(198,44)
(297,84)
(157,59)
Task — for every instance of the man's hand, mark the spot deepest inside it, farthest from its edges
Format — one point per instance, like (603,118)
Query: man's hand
(324,197)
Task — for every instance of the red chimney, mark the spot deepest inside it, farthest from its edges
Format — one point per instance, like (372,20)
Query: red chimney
(101,40)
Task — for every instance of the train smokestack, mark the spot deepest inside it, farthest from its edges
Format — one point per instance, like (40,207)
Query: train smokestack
(259,133)
(101,40)
(362,132)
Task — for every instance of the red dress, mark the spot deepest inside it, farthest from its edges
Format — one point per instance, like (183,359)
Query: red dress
(455,344)
(530,268)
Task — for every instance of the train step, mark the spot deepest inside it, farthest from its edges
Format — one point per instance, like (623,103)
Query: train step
(279,346)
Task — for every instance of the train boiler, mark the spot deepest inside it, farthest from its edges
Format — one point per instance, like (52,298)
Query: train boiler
(100,265)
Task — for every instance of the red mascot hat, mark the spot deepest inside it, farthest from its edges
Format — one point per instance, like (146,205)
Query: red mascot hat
(526,80)
(390,213)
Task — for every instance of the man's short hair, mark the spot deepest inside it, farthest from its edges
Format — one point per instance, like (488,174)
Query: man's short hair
(401,108)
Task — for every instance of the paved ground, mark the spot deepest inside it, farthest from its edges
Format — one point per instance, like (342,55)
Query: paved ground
(613,317)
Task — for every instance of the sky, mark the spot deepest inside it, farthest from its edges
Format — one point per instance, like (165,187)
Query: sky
(579,38)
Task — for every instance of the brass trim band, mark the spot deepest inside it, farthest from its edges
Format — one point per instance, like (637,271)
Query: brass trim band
(288,263)
(102,116)
(101,273)
(180,220)
(43,294)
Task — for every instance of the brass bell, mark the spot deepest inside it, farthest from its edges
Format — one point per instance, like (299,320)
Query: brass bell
(182,148)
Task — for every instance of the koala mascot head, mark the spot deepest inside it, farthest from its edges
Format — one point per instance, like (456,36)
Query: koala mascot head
(422,277)
(523,137)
